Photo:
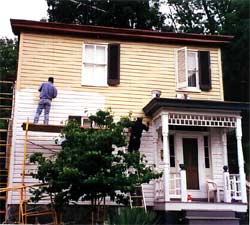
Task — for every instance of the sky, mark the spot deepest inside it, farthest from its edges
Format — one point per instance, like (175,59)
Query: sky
(20,9)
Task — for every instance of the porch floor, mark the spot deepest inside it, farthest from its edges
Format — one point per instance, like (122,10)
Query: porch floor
(177,205)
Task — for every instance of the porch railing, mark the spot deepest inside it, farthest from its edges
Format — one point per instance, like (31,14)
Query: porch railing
(159,189)
(235,187)
(174,187)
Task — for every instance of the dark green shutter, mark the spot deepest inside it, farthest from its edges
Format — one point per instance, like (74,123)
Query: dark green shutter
(204,71)
(114,64)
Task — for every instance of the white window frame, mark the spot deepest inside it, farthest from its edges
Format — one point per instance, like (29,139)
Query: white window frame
(183,86)
(95,81)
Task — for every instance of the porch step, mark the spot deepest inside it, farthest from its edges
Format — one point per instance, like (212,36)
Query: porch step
(210,217)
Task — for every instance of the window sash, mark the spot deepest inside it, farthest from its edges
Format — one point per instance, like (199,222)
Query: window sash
(94,65)
(187,69)
(193,71)
(206,152)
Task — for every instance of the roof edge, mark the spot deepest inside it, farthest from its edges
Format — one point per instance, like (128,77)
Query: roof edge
(158,103)
(19,26)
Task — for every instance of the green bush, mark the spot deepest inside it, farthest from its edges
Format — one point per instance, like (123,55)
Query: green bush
(134,216)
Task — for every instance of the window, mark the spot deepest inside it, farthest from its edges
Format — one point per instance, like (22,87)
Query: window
(82,121)
(193,70)
(206,152)
(171,151)
(101,64)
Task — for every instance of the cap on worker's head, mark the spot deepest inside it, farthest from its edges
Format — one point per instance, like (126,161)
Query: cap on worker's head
(51,79)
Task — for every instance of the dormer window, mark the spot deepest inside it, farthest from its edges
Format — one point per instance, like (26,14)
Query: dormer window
(193,70)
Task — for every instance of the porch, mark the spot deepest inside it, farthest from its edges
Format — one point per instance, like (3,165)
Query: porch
(199,205)
(179,202)
(186,176)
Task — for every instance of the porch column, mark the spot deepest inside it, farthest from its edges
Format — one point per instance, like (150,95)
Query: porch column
(227,196)
(183,183)
(241,160)
(166,165)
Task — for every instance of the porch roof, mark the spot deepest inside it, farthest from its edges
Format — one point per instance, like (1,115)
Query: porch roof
(157,104)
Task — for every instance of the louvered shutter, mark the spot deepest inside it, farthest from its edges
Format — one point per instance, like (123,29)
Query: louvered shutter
(204,71)
(114,64)
(182,68)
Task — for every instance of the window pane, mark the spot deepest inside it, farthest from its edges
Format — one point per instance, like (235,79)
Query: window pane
(89,54)
(171,148)
(100,77)
(88,74)
(206,152)
(191,79)
(100,55)
(191,61)
(192,69)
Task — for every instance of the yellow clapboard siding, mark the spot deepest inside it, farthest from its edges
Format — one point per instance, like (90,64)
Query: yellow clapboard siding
(144,67)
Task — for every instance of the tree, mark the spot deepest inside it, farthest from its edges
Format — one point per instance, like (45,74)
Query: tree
(199,16)
(236,55)
(8,58)
(8,63)
(92,165)
(141,14)
(229,17)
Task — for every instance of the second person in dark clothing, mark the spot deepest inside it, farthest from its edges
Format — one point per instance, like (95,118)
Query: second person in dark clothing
(135,134)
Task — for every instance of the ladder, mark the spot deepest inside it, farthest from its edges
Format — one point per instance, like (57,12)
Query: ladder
(137,199)
(6,106)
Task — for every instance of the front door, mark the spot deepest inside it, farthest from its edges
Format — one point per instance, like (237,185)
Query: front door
(190,156)
(190,152)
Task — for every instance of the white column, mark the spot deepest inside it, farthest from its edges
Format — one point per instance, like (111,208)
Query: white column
(241,160)
(183,183)
(227,190)
(166,160)
(226,182)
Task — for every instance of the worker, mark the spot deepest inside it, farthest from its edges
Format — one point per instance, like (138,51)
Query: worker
(47,93)
(135,134)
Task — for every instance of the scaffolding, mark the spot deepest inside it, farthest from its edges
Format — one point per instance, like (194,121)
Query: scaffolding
(7,94)
(24,213)
(27,208)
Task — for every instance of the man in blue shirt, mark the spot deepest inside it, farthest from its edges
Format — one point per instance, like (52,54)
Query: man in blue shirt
(47,93)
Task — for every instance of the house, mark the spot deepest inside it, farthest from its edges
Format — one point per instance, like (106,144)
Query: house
(173,80)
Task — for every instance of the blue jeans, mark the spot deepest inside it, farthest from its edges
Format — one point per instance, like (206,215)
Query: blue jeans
(43,104)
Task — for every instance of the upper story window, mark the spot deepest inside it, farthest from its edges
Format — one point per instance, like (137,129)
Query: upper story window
(101,64)
(193,70)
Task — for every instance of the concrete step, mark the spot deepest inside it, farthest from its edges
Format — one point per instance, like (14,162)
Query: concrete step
(212,213)
(213,221)
(210,217)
